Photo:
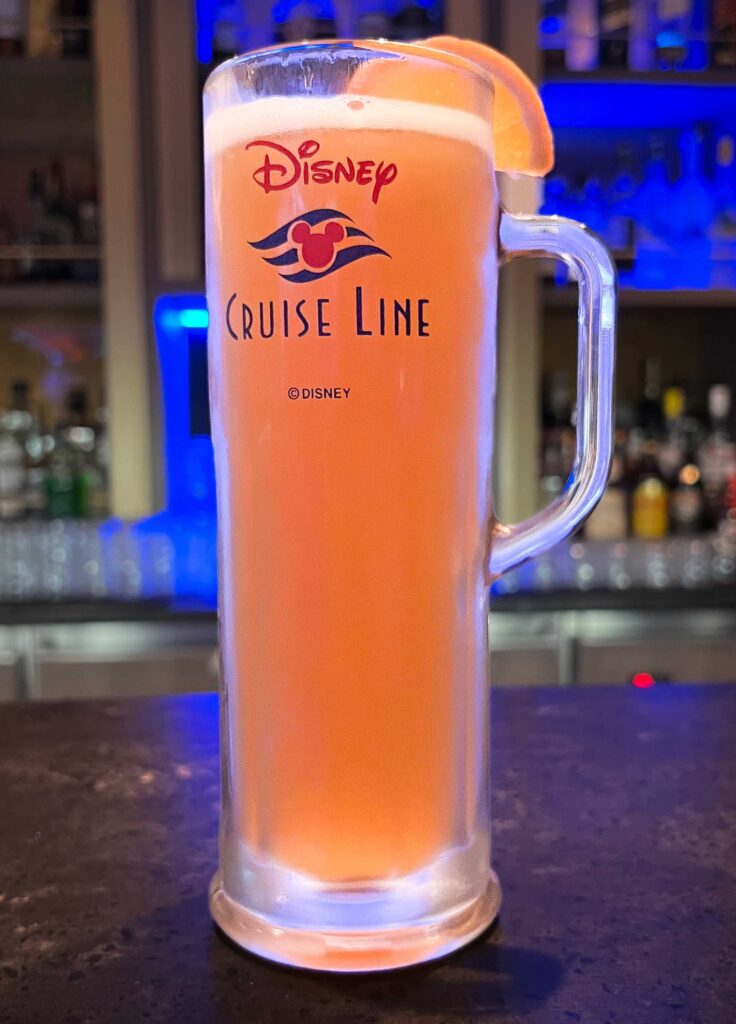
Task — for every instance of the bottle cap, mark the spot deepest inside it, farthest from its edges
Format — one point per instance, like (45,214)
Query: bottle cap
(673,403)
(689,475)
(719,401)
(725,151)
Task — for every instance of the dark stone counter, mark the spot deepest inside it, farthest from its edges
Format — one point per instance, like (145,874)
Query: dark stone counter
(615,840)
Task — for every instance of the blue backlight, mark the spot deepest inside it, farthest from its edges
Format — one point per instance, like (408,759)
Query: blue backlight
(206,12)
(283,9)
(669,40)
(189,518)
(681,210)
(174,318)
(656,105)
(192,319)
(551,26)
(188,457)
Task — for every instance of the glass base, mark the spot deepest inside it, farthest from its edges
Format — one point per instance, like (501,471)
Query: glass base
(335,949)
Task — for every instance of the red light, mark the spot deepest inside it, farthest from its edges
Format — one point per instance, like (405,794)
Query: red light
(643,680)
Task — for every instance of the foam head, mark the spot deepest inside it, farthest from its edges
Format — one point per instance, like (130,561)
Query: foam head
(279,115)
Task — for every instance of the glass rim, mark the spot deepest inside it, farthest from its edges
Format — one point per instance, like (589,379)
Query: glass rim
(387,47)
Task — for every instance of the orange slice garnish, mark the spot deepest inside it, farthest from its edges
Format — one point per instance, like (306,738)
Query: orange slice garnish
(522,138)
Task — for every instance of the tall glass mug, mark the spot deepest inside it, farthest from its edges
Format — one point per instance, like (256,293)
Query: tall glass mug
(353,243)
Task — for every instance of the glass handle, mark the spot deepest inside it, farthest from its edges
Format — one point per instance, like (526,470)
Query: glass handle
(593,269)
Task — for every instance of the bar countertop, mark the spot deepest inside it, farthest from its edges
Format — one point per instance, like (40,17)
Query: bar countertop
(615,841)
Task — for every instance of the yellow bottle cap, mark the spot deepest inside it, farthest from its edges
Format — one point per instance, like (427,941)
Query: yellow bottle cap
(673,403)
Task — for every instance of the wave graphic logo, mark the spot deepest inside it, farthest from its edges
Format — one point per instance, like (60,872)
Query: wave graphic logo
(319,243)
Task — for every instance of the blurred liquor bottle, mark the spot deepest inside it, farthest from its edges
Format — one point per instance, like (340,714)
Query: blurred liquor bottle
(73,21)
(649,491)
(77,437)
(11,28)
(687,502)
(373,24)
(86,217)
(12,478)
(693,209)
(35,232)
(300,24)
(673,447)
(14,425)
(649,415)
(89,440)
(553,35)
(728,505)
(653,200)
(65,488)
(634,454)
(716,457)
(36,447)
(621,202)
(614,19)
(581,52)
(724,187)
(560,198)
(59,479)
(412,21)
(642,48)
(682,34)
(723,34)
(670,473)
(58,219)
(8,267)
(596,209)
(60,216)
(62,474)
(43,38)
(558,436)
(610,518)
(20,420)
(650,499)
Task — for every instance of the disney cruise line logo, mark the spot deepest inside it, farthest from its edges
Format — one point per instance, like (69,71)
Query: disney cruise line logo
(315,244)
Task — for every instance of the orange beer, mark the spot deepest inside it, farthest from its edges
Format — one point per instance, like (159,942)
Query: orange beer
(352,260)
(354,456)
(352,269)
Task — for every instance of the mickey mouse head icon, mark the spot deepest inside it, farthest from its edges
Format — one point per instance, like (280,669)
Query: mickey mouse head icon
(318,247)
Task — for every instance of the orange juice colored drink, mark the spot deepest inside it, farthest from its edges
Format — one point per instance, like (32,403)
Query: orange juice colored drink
(353,451)
(353,231)
(352,292)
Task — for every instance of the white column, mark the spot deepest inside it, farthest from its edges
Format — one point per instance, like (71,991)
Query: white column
(175,142)
(518,420)
(466,18)
(125,311)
